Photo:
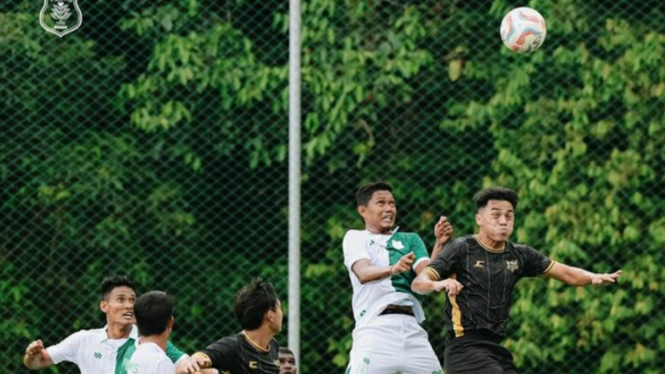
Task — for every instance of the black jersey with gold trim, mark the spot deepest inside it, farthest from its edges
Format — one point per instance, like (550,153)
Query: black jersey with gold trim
(489,277)
(237,354)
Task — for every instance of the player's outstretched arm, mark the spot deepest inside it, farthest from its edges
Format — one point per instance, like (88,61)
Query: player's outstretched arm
(366,272)
(424,284)
(36,356)
(579,277)
(443,231)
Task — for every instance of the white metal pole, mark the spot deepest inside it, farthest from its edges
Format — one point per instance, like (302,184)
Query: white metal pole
(294,178)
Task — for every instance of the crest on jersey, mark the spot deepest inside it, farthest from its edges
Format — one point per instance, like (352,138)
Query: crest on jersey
(60,17)
(512,265)
(397,244)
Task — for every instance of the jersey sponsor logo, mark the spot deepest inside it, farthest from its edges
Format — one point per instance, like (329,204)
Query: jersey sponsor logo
(253,364)
(479,264)
(363,369)
(512,265)
(397,244)
(98,355)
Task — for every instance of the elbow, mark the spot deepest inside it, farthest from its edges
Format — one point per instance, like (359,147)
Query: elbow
(363,279)
(418,286)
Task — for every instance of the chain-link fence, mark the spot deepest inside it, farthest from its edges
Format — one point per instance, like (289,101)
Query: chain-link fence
(152,142)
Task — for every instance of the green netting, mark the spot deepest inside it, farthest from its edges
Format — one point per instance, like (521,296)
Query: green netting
(152,142)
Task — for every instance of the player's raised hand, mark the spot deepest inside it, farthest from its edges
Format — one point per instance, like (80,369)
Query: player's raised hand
(35,348)
(443,230)
(404,264)
(600,279)
(451,286)
(36,356)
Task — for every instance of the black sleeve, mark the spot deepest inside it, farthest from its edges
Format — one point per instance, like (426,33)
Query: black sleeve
(534,262)
(448,259)
(222,353)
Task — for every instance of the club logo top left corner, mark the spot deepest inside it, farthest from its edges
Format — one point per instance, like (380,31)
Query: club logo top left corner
(60,17)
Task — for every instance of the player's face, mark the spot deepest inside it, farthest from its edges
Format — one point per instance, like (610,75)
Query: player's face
(287,364)
(496,220)
(119,306)
(380,213)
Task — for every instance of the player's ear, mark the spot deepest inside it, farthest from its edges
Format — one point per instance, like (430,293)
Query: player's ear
(362,209)
(479,219)
(171,322)
(104,306)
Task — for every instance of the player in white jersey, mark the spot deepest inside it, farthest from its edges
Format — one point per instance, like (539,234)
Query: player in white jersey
(382,263)
(102,351)
(154,316)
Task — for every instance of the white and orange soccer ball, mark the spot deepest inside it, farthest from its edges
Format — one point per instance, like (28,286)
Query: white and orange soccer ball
(523,30)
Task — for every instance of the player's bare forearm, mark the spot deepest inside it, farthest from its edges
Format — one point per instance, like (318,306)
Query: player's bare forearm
(443,230)
(369,273)
(579,277)
(366,272)
(438,246)
(423,284)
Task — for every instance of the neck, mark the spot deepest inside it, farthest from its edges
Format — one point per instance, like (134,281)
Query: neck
(160,340)
(488,242)
(260,337)
(118,330)
(379,230)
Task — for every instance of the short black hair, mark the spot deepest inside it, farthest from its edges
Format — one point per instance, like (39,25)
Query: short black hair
(365,192)
(109,283)
(153,311)
(482,197)
(285,351)
(252,303)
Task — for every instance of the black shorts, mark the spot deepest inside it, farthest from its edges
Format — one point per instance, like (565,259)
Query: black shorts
(476,354)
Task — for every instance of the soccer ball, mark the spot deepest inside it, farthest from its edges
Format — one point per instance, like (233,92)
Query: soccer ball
(523,30)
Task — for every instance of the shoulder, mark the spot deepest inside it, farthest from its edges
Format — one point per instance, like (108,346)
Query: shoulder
(408,235)
(460,242)
(88,334)
(521,248)
(231,341)
(274,346)
(355,234)
(164,365)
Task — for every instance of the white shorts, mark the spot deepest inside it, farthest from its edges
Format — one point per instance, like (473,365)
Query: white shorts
(392,344)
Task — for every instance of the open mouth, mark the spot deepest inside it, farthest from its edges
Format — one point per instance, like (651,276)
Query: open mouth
(128,315)
(388,218)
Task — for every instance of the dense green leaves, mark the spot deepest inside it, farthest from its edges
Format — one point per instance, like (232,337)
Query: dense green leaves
(153,141)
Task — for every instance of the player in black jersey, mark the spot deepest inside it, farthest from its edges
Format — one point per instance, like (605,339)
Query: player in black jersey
(488,266)
(253,350)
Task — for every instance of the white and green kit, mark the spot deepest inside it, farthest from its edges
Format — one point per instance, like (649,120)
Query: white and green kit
(387,343)
(95,353)
(149,358)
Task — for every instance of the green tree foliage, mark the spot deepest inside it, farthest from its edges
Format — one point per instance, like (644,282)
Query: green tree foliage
(153,142)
